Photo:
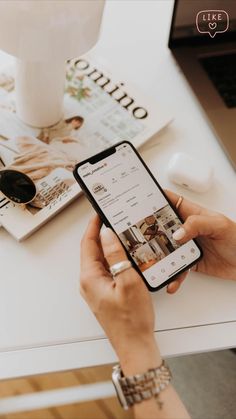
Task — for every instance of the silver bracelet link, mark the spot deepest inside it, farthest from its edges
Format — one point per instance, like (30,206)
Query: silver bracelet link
(141,387)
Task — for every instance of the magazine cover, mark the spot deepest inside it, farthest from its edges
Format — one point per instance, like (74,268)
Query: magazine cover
(100,110)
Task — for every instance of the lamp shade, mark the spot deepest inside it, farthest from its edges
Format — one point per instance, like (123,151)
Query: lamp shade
(35,30)
(42,35)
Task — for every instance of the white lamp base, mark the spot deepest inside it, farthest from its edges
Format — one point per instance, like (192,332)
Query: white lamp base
(39,92)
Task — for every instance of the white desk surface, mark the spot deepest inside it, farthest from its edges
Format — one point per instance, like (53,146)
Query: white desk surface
(44,323)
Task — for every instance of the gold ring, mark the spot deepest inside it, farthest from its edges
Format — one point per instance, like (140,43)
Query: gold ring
(179,202)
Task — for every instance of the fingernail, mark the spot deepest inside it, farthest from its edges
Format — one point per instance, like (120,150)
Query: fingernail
(171,287)
(107,234)
(179,234)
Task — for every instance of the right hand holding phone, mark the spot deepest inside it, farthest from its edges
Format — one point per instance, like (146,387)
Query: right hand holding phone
(122,306)
(216,235)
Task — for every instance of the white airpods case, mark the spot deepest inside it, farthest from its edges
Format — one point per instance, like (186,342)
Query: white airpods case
(190,173)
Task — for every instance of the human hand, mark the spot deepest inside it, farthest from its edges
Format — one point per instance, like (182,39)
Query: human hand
(216,235)
(122,306)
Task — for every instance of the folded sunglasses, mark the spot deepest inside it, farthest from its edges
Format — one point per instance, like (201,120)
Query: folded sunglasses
(17,187)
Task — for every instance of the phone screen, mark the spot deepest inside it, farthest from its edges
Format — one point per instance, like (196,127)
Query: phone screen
(137,210)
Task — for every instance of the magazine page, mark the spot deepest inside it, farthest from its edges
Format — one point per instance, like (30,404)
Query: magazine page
(99,110)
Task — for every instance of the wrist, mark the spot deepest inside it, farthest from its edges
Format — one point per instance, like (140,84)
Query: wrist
(139,355)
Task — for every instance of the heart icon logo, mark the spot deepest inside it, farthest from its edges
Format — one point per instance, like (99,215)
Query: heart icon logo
(212,25)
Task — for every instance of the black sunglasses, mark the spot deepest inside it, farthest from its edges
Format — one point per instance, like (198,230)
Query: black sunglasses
(17,186)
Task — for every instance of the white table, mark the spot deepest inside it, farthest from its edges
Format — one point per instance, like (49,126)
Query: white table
(44,323)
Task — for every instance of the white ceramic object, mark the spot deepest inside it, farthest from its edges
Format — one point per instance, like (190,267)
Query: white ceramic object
(190,173)
(42,35)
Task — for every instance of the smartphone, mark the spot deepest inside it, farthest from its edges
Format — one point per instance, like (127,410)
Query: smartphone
(129,200)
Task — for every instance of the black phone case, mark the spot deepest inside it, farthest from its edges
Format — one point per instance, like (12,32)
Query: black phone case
(102,155)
